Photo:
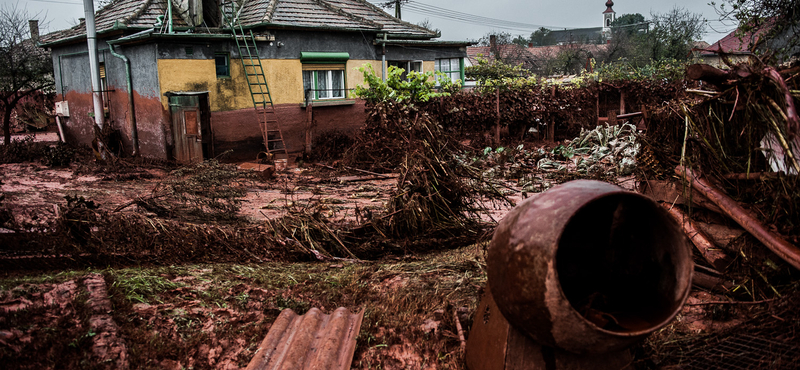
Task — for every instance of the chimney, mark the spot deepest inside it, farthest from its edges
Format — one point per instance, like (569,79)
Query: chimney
(33,25)
(530,44)
(493,46)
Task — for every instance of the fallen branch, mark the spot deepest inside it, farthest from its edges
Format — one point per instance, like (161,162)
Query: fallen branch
(782,248)
(460,331)
(731,302)
(140,199)
(792,119)
(750,176)
(711,283)
(708,250)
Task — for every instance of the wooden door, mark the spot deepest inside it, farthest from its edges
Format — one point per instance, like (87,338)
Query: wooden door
(187,128)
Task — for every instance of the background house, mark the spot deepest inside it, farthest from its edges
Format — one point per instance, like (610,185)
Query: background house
(191,96)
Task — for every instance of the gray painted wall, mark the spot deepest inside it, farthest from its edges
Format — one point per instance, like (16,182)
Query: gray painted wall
(289,44)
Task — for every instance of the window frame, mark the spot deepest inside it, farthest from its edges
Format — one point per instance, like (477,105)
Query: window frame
(321,92)
(227,57)
(406,65)
(460,71)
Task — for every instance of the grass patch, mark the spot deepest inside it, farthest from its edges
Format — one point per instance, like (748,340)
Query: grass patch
(197,311)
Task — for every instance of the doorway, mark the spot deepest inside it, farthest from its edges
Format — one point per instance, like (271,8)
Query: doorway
(191,126)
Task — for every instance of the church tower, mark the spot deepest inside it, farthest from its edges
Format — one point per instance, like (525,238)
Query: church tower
(608,16)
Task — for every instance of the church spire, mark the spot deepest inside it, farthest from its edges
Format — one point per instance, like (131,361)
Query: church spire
(609,4)
(608,16)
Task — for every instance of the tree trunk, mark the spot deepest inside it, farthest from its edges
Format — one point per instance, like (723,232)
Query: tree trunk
(7,125)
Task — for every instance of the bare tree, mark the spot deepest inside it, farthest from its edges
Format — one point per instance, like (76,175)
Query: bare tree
(24,67)
(673,33)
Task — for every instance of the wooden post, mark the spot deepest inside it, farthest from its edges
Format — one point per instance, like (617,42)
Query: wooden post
(551,126)
(621,102)
(597,110)
(309,109)
(612,118)
(497,123)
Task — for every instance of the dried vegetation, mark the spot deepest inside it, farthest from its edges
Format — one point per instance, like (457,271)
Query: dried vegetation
(451,178)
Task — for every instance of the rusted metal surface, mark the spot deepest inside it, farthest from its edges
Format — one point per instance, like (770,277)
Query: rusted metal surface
(310,341)
(589,267)
(495,345)
(730,207)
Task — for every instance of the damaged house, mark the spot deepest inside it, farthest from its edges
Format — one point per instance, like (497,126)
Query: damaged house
(207,76)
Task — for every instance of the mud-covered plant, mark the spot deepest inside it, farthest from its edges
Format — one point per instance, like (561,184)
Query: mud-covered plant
(208,190)
(77,218)
(58,155)
(20,150)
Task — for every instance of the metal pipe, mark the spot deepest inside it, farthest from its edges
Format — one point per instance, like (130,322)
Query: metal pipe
(588,267)
(383,59)
(60,129)
(131,107)
(169,16)
(94,69)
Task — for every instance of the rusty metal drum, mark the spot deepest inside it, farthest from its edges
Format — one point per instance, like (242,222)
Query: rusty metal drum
(589,267)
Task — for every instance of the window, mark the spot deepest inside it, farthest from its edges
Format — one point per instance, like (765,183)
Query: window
(223,64)
(407,66)
(323,74)
(324,83)
(451,67)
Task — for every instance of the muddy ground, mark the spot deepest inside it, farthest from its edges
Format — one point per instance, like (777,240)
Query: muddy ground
(213,316)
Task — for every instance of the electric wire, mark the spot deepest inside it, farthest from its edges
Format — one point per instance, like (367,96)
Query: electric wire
(59,2)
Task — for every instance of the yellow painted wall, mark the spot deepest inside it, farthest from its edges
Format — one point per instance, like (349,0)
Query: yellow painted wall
(284,77)
(354,76)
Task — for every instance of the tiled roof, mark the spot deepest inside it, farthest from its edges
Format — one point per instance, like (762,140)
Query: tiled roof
(328,14)
(732,44)
(530,58)
(310,341)
(509,53)
(365,10)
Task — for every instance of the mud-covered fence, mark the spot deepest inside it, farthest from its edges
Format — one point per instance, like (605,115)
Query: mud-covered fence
(569,108)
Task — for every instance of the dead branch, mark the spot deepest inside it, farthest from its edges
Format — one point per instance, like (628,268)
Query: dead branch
(460,330)
(750,176)
(715,75)
(792,121)
(708,250)
(782,248)
(730,302)
(711,283)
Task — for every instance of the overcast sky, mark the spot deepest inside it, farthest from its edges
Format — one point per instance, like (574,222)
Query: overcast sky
(517,17)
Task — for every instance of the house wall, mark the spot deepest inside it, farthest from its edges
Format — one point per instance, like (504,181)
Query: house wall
(188,65)
(73,84)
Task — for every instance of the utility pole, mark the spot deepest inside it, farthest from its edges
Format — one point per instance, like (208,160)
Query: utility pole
(94,70)
(397,9)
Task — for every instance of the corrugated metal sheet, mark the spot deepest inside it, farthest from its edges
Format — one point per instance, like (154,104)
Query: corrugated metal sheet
(310,341)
